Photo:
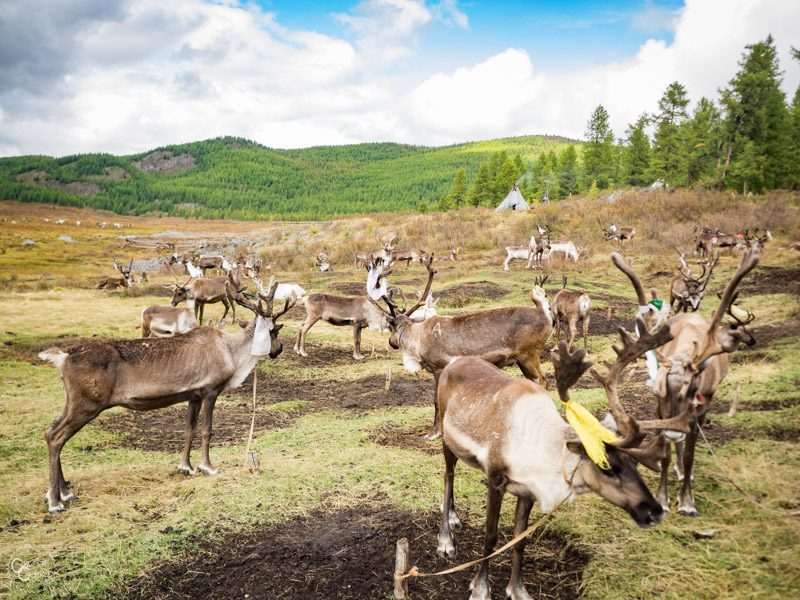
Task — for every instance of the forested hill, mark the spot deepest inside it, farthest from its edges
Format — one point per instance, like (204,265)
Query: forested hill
(233,178)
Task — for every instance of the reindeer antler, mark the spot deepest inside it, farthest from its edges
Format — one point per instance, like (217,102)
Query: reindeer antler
(431,272)
(626,268)
(569,367)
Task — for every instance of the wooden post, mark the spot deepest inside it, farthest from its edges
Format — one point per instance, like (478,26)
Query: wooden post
(401,568)
(608,315)
(735,403)
(388,379)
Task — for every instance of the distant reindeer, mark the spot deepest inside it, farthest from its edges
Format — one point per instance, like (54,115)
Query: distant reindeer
(167,321)
(199,292)
(212,262)
(539,246)
(572,307)
(112,283)
(685,288)
(620,234)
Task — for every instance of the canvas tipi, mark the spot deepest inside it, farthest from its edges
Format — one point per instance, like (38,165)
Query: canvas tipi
(514,201)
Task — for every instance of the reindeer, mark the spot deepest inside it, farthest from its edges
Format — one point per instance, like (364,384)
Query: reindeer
(408,256)
(522,252)
(510,429)
(503,336)
(690,369)
(166,321)
(571,307)
(200,292)
(340,310)
(567,247)
(703,242)
(147,374)
(112,283)
(620,234)
(539,246)
(212,262)
(453,255)
(685,288)
(322,262)
(385,254)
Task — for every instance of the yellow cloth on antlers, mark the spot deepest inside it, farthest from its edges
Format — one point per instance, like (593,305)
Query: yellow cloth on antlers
(592,434)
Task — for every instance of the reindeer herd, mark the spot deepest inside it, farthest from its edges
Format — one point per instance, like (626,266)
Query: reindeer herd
(509,428)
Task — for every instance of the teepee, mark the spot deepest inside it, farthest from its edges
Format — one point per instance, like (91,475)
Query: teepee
(514,201)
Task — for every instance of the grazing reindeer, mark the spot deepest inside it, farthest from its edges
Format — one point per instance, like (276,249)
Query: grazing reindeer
(166,321)
(571,307)
(200,292)
(620,234)
(703,242)
(521,252)
(408,256)
(357,312)
(212,262)
(568,248)
(146,374)
(510,429)
(691,367)
(503,336)
(685,288)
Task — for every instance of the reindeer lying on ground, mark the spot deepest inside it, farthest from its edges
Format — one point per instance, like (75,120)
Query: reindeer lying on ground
(166,321)
(112,283)
(503,336)
(691,367)
(511,430)
(146,374)
(408,256)
(385,254)
(685,288)
(620,234)
(571,307)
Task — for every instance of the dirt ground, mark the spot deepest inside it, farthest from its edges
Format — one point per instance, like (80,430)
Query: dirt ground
(350,554)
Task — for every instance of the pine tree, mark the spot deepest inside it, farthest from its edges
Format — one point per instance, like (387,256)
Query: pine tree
(458,191)
(598,161)
(568,172)
(794,152)
(668,160)
(636,153)
(480,194)
(703,142)
(756,110)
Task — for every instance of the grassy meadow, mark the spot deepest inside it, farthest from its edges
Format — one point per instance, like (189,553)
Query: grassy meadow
(320,435)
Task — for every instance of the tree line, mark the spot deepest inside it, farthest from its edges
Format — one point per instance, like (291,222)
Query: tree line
(746,140)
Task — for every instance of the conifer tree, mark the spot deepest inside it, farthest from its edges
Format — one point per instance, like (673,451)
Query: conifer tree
(636,153)
(458,191)
(480,194)
(794,151)
(598,162)
(568,171)
(668,160)
(703,142)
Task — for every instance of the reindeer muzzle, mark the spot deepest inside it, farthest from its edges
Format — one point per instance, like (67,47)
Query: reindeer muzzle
(674,436)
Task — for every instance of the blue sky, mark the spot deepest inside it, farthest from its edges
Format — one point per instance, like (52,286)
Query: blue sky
(126,76)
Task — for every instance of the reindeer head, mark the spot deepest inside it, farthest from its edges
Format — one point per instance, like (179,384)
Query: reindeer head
(610,468)
(262,305)
(695,287)
(180,293)
(397,319)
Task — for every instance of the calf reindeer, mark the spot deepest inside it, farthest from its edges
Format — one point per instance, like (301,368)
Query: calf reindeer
(511,430)
(147,374)
(691,367)
(572,307)
(686,289)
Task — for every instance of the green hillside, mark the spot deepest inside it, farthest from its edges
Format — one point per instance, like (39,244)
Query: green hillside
(233,178)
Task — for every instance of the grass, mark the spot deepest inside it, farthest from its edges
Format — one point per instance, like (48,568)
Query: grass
(325,460)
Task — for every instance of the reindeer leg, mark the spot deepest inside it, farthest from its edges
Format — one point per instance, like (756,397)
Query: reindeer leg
(227,306)
(192,411)
(558,329)
(435,431)
(59,432)
(531,368)
(662,496)
(300,344)
(586,320)
(573,330)
(446,549)
(357,342)
(686,506)
(515,589)
(207,410)
(480,584)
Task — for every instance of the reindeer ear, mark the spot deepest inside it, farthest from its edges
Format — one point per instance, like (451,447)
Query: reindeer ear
(576,447)
(277,328)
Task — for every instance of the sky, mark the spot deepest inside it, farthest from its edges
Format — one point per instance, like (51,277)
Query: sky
(128,76)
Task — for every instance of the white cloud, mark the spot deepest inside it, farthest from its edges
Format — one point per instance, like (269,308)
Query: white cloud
(126,76)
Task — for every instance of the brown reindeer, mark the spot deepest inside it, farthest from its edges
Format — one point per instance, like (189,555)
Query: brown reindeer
(112,283)
(681,381)
(503,336)
(510,429)
(147,374)
(685,288)
(572,307)
(620,234)
(199,292)
(357,312)
(204,263)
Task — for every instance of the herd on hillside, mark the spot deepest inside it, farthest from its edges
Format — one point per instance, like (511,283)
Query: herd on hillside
(507,427)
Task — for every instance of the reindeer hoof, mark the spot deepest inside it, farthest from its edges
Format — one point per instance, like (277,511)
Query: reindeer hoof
(430,436)
(186,470)
(446,551)
(206,470)
(359,357)
(687,512)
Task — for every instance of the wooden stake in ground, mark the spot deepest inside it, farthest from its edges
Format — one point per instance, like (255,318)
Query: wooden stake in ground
(608,314)
(388,378)
(251,462)
(735,403)
(400,568)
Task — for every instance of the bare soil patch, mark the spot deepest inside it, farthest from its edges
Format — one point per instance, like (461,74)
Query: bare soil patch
(350,554)
(772,280)
(480,289)
(350,288)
